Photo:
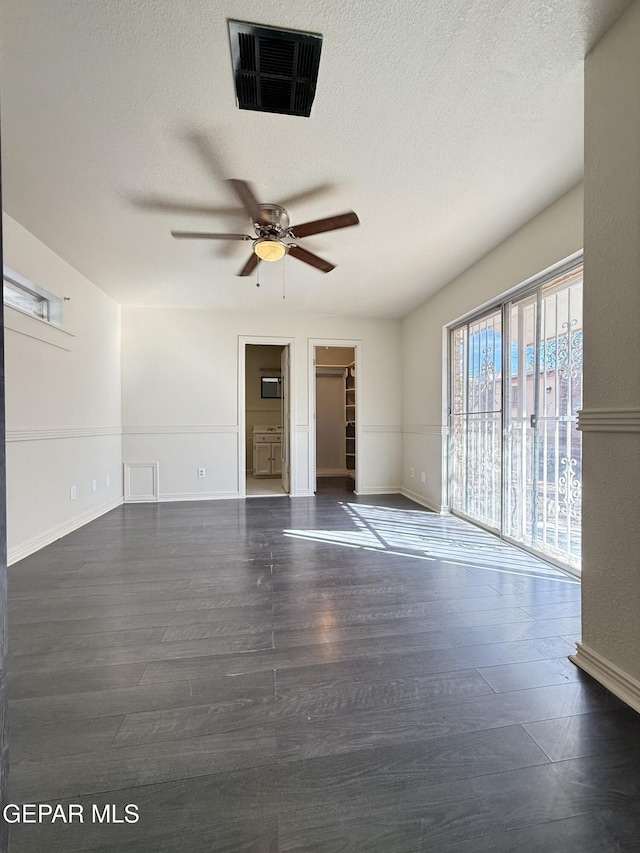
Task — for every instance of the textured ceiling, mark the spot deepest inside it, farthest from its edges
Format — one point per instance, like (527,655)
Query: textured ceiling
(444,124)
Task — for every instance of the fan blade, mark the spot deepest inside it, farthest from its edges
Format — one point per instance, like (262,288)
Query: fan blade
(247,197)
(203,235)
(309,258)
(207,154)
(158,204)
(251,264)
(306,195)
(331,223)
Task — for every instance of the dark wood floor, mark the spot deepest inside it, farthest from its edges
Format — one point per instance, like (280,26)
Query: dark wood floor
(317,674)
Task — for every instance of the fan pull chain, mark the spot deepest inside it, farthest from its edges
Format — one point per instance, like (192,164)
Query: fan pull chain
(258,274)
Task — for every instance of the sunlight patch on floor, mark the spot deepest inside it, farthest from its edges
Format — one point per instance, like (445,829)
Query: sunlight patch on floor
(431,537)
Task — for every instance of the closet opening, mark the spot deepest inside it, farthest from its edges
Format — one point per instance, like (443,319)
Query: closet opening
(335,419)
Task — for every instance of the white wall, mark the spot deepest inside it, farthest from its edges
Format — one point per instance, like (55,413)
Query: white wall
(62,401)
(180,395)
(610,420)
(549,237)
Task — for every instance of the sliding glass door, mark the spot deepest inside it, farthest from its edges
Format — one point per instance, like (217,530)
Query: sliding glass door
(516,451)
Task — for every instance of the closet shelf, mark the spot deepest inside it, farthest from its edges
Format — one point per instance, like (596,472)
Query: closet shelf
(350,419)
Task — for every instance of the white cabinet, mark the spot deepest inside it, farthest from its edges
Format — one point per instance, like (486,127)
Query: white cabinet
(276,459)
(267,452)
(261,460)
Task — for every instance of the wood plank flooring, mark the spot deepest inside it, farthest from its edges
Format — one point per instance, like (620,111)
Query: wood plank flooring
(326,674)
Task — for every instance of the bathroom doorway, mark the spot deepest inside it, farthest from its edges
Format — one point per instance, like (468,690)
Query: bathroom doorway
(266,420)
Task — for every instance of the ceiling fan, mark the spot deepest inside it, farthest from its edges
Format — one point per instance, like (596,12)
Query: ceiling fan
(274,231)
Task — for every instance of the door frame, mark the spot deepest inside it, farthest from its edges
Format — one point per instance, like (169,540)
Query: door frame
(260,340)
(356,345)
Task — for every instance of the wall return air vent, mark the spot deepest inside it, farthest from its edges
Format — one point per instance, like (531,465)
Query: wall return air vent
(275,70)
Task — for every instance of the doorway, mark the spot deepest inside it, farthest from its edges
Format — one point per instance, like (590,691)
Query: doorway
(266,420)
(335,419)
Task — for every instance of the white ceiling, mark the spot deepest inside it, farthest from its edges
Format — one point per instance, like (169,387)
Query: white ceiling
(444,124)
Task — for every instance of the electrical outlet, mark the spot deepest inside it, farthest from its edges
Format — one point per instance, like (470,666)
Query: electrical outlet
(202,473)
(94,485)
(73,493)
(107,481)
(412,472)
(423,477)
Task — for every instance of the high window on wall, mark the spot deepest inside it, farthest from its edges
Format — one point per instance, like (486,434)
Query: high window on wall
(30,298)
(516,388)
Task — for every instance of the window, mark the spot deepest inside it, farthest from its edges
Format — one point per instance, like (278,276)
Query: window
(29,298)
(25,300)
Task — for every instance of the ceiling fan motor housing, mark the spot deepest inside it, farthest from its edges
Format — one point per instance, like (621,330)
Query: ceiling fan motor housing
(271,221)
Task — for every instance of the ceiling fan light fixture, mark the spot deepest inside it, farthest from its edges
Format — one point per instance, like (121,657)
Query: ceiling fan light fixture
(268,249)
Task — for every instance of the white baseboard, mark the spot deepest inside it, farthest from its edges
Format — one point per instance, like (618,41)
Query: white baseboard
(418,499)
(212,496)
(377,490)
(616,680)
(19,552)
(197,496)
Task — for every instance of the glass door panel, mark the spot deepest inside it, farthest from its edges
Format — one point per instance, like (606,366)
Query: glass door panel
(559,476)
(477,419)
(520,421)
(543,449)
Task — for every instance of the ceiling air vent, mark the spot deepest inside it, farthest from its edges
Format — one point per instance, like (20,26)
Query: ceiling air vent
(275,70)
